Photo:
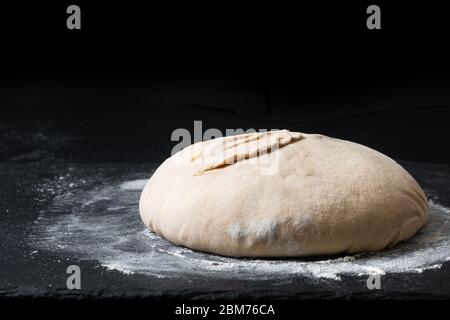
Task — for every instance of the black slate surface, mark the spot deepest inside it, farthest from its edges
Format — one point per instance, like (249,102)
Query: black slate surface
(38,150)
(42,273)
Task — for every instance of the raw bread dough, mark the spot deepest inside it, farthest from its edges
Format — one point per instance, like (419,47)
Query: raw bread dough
(280,194)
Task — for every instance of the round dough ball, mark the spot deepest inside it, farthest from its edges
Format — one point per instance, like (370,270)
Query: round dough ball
(282,194)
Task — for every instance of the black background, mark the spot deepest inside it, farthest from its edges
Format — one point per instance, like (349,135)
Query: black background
(139,67)
(307,48)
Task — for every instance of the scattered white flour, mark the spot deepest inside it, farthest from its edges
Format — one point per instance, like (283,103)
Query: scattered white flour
(134,184)
(100,221)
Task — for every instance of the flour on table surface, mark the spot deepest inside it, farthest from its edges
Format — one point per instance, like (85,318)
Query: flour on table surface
(97,219)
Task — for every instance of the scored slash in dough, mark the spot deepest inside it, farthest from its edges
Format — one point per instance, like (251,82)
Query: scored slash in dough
(323,196)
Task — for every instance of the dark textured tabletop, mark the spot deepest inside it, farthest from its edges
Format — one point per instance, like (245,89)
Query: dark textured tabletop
(68,196)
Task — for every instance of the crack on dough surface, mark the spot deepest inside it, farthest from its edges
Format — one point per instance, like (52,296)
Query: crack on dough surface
(99,220)
(221,152)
